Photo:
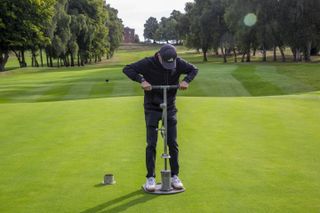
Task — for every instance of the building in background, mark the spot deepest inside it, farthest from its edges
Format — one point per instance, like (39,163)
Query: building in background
(129,36)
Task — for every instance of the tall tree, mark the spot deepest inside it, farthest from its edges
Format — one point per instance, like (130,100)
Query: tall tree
(170,29)
(220,33)
(265,25)
(192,24)
(92,17)
(75,29)
(201,27)
(178,25)
(241,21)
(115,30)
(150,28)
(62,33)
(299,23)
(22,25)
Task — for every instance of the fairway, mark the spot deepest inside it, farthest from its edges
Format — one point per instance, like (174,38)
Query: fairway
(248,134)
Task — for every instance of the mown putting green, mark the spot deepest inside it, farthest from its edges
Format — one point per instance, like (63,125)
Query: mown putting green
(62,130)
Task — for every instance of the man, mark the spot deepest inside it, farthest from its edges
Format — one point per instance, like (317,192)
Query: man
(164,68)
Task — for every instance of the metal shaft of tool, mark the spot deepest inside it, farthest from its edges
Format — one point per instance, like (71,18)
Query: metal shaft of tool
(164,128)
(165,123)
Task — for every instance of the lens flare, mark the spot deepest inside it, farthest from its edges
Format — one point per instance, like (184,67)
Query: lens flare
(250,19)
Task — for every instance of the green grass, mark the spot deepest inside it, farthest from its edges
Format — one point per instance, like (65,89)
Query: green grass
(248,135)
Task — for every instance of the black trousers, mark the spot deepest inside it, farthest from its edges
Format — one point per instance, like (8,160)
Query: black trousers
(152,122)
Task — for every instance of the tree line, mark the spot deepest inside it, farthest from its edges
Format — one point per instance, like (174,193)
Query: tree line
(70,32)
(242,27)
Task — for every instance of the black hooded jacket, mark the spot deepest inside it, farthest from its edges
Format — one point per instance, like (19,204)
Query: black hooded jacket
(152,71)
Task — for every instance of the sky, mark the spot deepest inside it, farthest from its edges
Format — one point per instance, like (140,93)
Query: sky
(134,13)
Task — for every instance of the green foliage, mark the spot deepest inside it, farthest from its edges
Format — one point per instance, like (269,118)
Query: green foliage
(169,29)
(150,28)
(300,24)
(115,30)
(61,34)
(88,29)
(246,26)
(207,25)
(23,24)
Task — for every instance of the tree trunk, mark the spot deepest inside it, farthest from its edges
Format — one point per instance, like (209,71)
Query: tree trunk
(248,56)
(20,57)
(2,66)
(235,55)
(298,55)
(294,54)
(51,61)
(205,58)
(67,61)
(216,52)
(78,59)
(34,59)
(64,61)
(23,59)
(243,56)
(275,53)
(41,58)
(3,60)
(264,54)
(47,58)
(307,54)
(224,55)
(36,63)
(283,57)
(72,60)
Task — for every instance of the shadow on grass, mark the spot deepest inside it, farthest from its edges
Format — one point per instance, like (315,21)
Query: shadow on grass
(99,185)
(122,203)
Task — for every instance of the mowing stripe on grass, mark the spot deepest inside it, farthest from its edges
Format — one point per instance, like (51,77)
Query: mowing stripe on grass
(305,73)
(287,84)
(227,84)
(31,95)
(101,89)
(217,81)
(56,92)
(122,88)
(116,82)
(246,75)
(7,94)
(79,90)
